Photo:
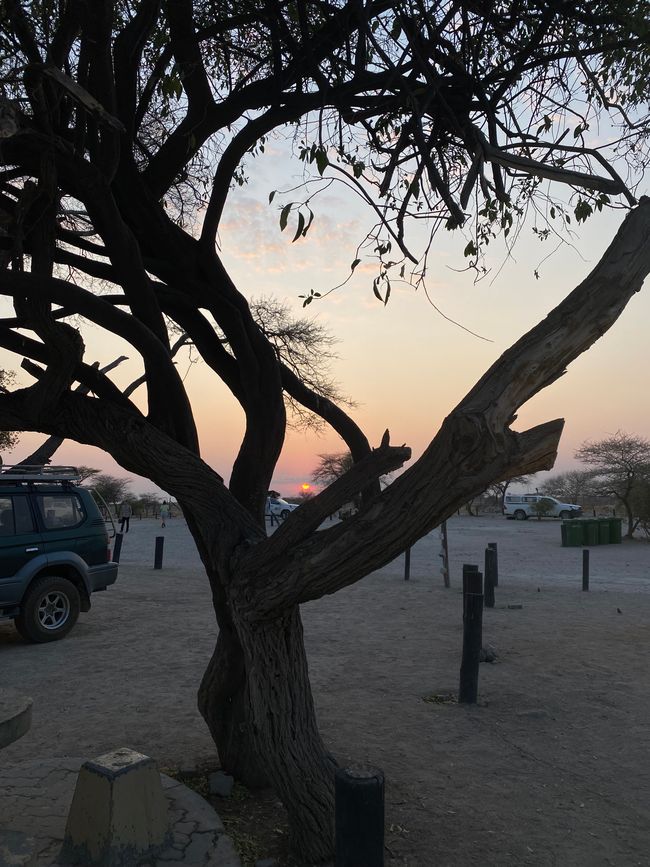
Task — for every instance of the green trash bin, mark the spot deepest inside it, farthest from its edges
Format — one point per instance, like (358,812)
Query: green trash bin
(572,534)
(603,531)
(589,531)
(615,533)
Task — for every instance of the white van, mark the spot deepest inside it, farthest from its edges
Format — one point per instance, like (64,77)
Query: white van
(278,507)
(523,506)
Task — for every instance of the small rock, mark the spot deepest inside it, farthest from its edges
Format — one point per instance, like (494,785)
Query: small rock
(267,862)
(515,606)
(220,784)
(488,654)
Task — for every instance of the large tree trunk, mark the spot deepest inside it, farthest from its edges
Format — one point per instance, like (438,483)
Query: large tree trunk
(224,703)
(256,699)
(258,705)
(285,732)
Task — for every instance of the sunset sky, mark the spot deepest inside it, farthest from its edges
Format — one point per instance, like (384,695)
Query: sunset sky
(404,364)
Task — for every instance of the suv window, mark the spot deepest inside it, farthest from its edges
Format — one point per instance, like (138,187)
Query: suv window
(60,510)
(15,516)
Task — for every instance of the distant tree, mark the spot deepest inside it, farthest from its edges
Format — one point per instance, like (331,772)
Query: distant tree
(146,504)
(8,439)
(571,487)
(641,506)
(541,508)
(331,467)
(112,489)
(499,489)
(86,473)
(620,465)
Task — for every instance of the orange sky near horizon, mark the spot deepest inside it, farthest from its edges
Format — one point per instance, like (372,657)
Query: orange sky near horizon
(404,364)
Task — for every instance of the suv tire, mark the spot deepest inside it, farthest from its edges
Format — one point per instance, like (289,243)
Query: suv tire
(49,609)
(520,515)
(565,515)
(284,514)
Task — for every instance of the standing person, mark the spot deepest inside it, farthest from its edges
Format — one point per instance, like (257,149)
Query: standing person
(124,515)
(164,513)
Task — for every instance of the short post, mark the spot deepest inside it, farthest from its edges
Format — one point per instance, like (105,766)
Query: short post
(117,547)
(359,817)
(470,585)
(158,554)
(493,546)
(472,635)
(490,572)
(119,812)
(407,564)
(585,569)
(444,553)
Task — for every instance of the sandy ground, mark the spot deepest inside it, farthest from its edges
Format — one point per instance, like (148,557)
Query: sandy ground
(550,768)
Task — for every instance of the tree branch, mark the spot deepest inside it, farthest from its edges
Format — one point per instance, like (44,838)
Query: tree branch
(474,447)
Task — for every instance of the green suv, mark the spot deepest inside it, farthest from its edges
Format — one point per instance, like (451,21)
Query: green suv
(54,550)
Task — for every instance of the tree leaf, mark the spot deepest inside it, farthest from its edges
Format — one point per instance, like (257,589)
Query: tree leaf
(354,264)
(321,160)
(301,226)
(309,222)
(284,216)
(272,195)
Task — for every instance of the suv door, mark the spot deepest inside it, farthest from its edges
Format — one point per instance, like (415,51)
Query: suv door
(20,542)
(63,522)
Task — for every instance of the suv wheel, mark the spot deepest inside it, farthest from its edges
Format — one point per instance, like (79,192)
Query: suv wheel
(49,610)
(284,514)
(520,515)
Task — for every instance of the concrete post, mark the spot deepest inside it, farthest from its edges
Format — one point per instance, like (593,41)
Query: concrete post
(118,813)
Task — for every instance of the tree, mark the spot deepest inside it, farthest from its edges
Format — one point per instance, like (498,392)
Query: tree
(331,467)
(8,439)
(542,508)
(110,488)
(86,473)
(147,504)
(572,486)
(499,489)
(620,465)
(123,128)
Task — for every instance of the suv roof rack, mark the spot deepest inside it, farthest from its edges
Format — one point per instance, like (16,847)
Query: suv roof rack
(38,473)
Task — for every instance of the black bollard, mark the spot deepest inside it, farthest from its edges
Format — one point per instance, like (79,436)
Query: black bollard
(445,554)
(585,569)
(117,547)
(407,564)
(359,817)
(471,584)
(472,638)
(493,547)
(158,555)
(490,570)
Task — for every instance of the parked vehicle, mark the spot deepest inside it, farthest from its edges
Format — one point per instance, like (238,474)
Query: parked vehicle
(279,507)
(521,507)
(54,550)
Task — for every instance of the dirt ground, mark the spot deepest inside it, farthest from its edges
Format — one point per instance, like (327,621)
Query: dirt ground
(550,768)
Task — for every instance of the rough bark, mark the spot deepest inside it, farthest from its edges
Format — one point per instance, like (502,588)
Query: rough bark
(224,703)
(285,732)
